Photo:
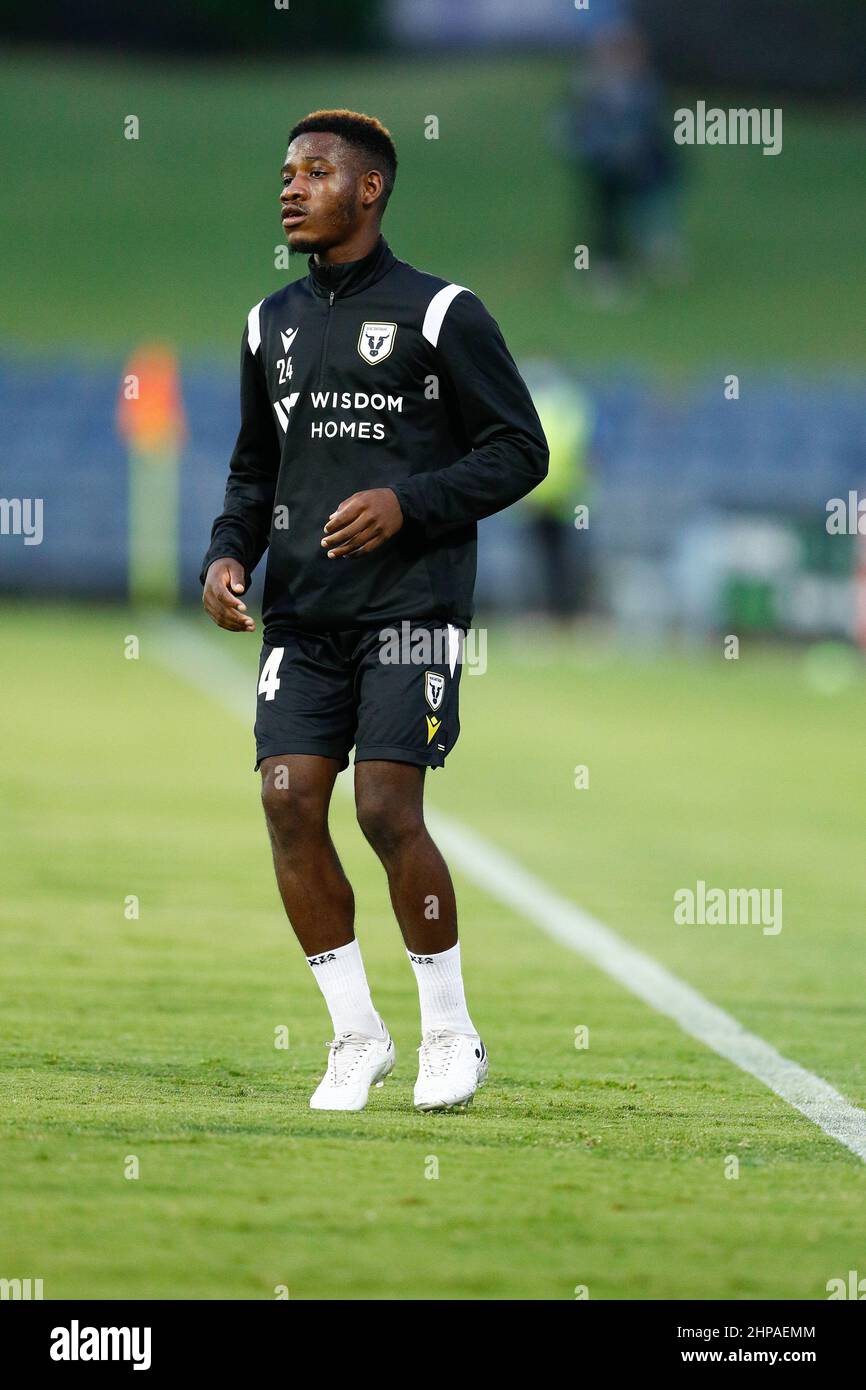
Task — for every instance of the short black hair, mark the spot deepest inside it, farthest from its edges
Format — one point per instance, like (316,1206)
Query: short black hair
(365,133)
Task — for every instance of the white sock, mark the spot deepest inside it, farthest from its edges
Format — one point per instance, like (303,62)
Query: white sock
(440,987)
(340,976)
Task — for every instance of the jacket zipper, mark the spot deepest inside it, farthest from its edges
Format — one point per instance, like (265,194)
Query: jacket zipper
(325,339)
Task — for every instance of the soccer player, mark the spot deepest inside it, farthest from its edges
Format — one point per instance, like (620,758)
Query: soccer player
(381,418)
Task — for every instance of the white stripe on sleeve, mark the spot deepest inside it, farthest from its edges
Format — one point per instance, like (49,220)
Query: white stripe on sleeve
(254,332)
(437,309)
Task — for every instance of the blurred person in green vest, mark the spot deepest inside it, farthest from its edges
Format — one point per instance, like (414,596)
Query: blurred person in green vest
(558,508)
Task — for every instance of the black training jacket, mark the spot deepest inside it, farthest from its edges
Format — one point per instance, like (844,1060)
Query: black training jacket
(365,375)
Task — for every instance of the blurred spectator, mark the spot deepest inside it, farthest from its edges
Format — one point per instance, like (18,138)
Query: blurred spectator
(616,130)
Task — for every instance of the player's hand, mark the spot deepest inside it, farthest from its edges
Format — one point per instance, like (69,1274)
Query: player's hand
(223,583)
(362,523)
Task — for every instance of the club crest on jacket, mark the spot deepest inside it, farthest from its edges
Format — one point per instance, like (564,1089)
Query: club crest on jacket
(376,341)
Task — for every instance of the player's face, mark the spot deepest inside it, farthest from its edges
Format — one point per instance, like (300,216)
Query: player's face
(320,200)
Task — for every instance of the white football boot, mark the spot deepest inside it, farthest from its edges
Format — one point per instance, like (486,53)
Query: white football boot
(451,1067)
(355,1063)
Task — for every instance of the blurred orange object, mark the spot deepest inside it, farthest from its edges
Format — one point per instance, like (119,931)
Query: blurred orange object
(150,411)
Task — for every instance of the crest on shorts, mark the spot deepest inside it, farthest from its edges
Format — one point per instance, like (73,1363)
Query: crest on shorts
(434,688)
(376,341)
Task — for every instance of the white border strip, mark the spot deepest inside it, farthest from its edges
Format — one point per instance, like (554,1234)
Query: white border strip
(189,654)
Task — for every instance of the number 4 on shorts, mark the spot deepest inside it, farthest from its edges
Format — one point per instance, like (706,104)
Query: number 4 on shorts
(269,680)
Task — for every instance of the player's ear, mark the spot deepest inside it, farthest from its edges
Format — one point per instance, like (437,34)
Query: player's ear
(372,184)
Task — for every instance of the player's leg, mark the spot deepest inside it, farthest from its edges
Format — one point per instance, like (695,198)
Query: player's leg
(452,1058)
(317,896)
(389,799)
(305,726)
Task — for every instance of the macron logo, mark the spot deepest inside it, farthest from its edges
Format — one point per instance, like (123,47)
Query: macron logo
(282,409)
(288,338)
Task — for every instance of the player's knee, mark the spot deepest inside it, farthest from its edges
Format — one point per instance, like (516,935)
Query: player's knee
(293,811)
(387,822)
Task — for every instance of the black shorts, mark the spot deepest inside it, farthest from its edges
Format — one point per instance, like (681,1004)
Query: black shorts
(392,692)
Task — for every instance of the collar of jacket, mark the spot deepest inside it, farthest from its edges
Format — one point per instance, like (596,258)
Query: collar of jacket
(351,276)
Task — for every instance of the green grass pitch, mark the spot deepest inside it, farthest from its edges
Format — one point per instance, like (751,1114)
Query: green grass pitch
(602,1167)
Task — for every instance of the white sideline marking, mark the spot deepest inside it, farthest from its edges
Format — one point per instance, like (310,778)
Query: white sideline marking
(189,654)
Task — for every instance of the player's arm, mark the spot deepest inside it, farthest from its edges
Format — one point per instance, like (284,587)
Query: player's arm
(508,454)
(240,533)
